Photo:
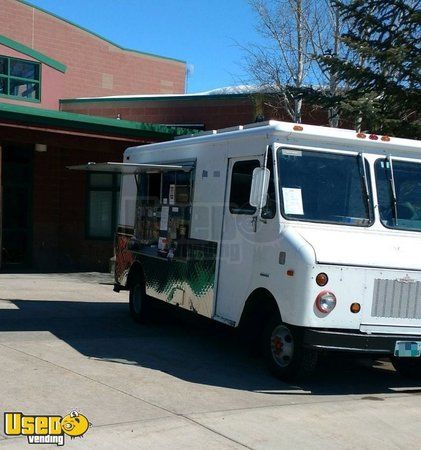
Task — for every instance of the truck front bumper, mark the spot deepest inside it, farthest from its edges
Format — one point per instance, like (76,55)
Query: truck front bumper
(354,342)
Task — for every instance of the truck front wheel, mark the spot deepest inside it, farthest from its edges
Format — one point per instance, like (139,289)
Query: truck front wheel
(138,301)
(285,354)
(408,367)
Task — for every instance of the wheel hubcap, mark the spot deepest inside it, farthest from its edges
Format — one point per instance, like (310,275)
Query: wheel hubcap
(282,346)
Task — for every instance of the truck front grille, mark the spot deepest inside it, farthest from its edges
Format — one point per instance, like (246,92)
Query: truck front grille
(400,299)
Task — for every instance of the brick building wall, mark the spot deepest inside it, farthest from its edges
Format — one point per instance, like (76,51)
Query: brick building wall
(53,201)
(211,111)
(52,83)
(59,211)
(95,67)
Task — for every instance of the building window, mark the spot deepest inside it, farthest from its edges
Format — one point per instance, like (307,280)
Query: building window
(242,175)
(20,79)
(102,211)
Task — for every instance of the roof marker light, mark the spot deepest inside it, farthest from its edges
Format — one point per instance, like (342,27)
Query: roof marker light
(361,135)
(298,128)
(355,308)
(373,137)
(322,279)
(385,138)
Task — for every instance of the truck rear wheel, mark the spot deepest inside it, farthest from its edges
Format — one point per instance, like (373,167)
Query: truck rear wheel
(285,354)
(408,367)
(138,301)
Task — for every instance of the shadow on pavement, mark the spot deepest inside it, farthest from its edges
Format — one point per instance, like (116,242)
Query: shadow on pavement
(190,348)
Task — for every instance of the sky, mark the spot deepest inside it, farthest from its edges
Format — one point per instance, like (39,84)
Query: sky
(205,34)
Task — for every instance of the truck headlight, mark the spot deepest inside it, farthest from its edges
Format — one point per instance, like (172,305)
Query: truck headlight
(326,302)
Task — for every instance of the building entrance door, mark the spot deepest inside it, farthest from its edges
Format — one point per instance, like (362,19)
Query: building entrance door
(17,170)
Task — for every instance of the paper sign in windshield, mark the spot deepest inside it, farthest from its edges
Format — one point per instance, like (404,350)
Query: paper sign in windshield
(293,201)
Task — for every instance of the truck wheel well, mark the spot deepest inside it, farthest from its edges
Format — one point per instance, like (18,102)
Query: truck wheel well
(135,274)
(260,305)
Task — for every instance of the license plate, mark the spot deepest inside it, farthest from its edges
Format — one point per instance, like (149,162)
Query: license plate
(407,349)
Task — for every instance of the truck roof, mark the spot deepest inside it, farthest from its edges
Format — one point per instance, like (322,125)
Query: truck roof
(298,131)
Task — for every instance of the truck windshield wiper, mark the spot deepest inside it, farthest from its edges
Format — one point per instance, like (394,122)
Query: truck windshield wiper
(366,186)
(393,188)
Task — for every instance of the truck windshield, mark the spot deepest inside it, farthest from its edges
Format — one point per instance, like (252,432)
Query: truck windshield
(325,187)
(399,193)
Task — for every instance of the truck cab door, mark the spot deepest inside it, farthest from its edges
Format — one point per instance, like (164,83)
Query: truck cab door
(238,237)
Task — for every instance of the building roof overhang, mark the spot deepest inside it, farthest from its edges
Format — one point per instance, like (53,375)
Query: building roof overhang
(157,98)
(72,123)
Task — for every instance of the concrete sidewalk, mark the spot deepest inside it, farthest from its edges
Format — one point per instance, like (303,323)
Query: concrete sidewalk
(67,342)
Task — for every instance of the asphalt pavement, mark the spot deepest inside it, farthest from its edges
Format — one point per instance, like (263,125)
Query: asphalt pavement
(67,343)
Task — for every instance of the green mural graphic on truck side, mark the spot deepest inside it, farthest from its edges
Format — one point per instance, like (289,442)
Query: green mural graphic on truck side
(192,277)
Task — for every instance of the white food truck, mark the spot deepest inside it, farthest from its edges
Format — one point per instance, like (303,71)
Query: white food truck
(309,238)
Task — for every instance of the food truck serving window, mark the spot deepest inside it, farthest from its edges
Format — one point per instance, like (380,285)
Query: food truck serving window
(325,187)
(163,212)
(163,204)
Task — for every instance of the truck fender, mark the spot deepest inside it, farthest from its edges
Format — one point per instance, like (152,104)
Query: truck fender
(260,306)
(135,272)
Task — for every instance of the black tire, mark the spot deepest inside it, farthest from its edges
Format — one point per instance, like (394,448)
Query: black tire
(138,301)
(284,352)
(408,367)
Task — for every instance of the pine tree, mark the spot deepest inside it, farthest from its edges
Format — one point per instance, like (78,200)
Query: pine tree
(380,80)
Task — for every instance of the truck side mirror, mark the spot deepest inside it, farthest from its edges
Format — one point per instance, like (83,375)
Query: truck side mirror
(259,187)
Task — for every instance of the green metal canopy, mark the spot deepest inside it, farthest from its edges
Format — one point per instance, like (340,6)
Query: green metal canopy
(81,122)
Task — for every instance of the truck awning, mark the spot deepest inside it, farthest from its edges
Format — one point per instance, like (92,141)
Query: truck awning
(129,168)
